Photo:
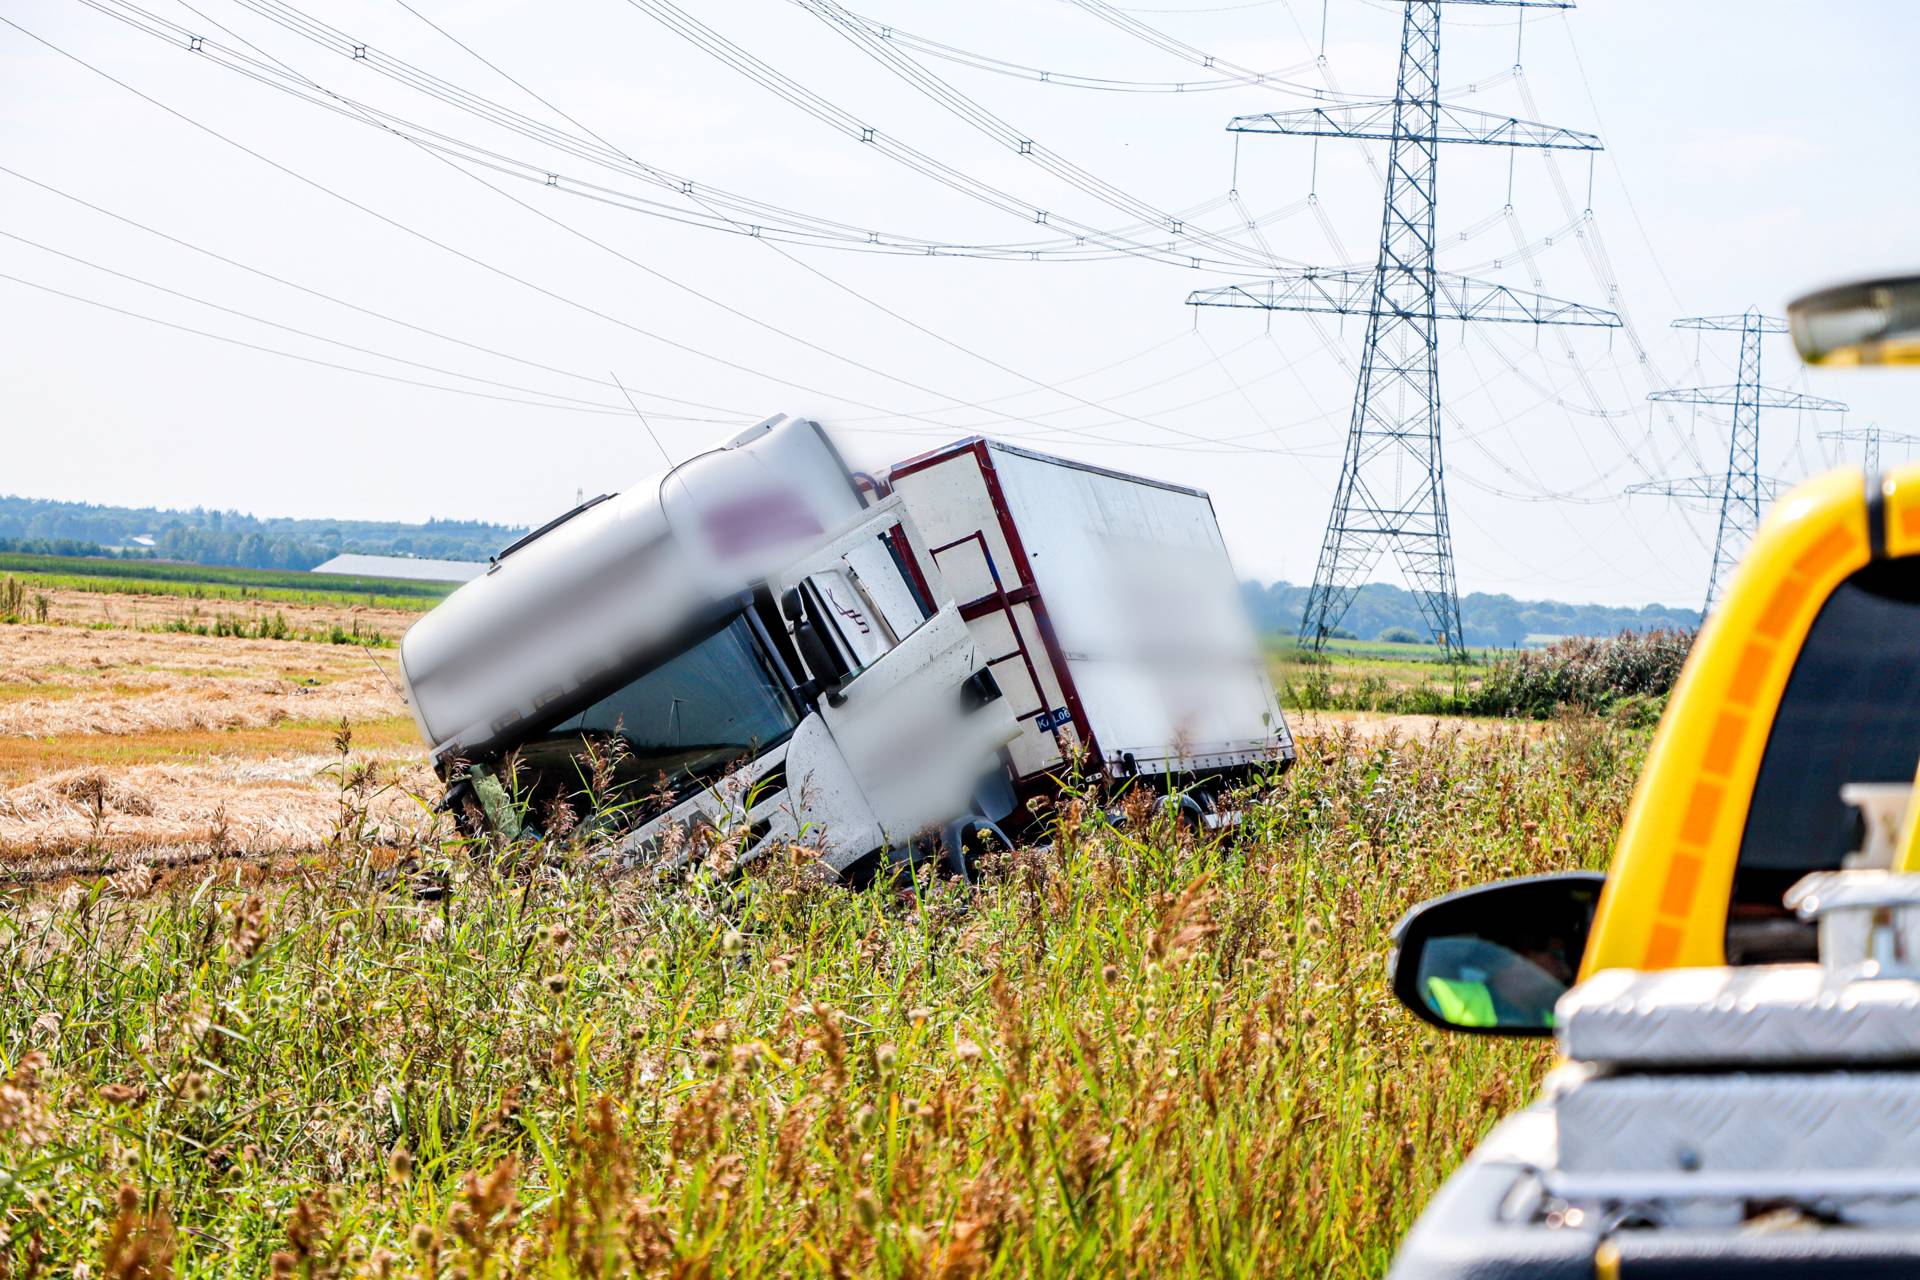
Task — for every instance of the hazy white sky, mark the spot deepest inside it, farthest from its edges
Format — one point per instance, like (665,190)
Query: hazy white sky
(1756,149)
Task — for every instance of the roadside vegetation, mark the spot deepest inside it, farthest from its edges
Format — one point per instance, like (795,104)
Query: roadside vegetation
(1128,1051)
(1627,676)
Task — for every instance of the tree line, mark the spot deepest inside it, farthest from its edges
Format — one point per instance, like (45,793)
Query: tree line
(207,536)
(1384,612)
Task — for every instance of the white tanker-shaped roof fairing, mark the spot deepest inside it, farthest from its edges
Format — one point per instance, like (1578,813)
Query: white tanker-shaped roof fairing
(608,587)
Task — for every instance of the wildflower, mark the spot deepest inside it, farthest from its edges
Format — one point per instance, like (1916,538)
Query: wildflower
(192,1087)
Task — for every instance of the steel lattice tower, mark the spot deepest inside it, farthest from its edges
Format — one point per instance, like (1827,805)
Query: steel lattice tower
(1392,491)
(1743,491)
(1870,438)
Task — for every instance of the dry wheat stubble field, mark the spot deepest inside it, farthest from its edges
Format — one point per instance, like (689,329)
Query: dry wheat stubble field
(1128,1052)
(118,738)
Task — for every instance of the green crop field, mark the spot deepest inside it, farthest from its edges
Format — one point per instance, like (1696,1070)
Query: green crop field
(1129,1051)
(212,582)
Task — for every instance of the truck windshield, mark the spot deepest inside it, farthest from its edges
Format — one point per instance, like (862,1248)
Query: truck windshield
(1850,713)
(685,720)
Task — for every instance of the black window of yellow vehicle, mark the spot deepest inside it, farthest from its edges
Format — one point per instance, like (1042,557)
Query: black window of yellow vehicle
(1850,713)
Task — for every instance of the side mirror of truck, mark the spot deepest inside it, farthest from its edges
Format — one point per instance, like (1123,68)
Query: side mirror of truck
(1492,960)
(1869,322)
(824,664)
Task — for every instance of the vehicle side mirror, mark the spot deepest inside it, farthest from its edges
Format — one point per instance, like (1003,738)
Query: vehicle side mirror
(1869,322)
(1493,960)
(816,650)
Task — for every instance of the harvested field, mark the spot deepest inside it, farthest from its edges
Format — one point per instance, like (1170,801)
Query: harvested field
(155,611)
(119,742)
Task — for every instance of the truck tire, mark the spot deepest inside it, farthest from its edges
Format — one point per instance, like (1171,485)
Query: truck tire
(966,841)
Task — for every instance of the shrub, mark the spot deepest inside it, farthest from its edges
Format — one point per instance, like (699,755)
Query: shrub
(1583,673)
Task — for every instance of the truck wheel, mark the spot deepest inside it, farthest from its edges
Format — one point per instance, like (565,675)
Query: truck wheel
(1188,816)
(969,840)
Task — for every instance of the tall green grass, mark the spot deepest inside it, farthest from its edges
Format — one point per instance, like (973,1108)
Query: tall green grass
(1129,1051)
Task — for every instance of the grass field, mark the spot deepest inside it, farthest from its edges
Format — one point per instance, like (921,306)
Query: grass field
(216,583)
(1126,1053)
(260,1014)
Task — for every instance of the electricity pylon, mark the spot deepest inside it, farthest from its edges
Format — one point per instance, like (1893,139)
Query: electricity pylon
(1392,494)
(1870,438)
(1742,492)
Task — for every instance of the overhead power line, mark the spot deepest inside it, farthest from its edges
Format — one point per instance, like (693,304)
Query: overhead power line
(1742,492)
(1392,493)
(733,414)
(1014,139)
(1055,387)
(1275,79)
(855,128)
(691,203)
(897,413)
(314,360)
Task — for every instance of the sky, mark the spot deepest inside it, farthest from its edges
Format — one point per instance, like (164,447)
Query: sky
(521,240)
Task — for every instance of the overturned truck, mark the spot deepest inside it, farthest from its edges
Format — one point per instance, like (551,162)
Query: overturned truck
(760,642)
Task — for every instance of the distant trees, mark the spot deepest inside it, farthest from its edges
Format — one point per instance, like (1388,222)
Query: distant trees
(201,536)
(1497,621)
(51,547)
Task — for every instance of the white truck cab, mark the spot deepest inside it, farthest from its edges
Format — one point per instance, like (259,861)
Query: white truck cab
(732,648)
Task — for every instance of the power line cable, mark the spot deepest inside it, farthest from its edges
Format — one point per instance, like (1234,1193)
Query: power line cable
(983,62)
(313,360)
(489,267)
(1018,141)
(852,126)
(298,332)
(841,285)
(734,414)
(754,320)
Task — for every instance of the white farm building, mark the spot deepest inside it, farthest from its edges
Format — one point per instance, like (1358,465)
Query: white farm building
(359,566)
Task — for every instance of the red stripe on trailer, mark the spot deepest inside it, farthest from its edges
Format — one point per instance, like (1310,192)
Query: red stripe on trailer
(1061,673)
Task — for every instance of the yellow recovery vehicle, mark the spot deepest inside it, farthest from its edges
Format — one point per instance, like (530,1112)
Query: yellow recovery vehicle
(1739,1084)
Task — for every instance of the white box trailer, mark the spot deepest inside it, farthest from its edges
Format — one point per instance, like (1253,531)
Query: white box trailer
(1108,610)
